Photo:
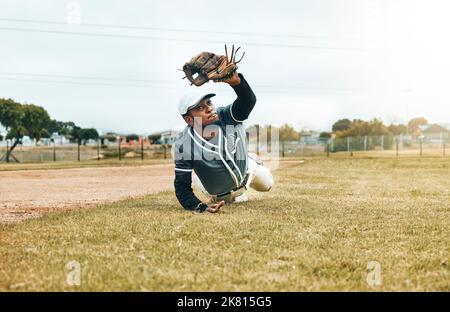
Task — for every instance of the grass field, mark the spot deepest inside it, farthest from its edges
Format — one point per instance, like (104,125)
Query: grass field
(83,164)
(316,230)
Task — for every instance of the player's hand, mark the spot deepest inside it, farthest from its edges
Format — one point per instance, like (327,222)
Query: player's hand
(234,80)
(215,207)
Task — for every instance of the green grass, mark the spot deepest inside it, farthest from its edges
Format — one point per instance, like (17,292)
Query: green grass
(316,230)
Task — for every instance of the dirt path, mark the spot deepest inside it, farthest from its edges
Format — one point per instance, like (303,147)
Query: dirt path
(28,194)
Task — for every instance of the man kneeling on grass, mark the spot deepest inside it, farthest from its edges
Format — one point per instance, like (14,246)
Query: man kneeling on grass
(213,145)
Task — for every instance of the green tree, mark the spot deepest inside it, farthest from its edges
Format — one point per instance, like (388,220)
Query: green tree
(397,129)
(435,128)
(132,137)
(414,125)
(111,137)
(360,127)
(75,134)
(377,127)
(341,125)
(88,134)
(356,128)
(61,127)
(81,136)
(325,135)
(288,133)
(22,120)
(154,137)
(36,121)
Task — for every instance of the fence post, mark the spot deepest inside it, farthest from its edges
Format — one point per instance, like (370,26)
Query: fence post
(420,142)
(349,147)
(443,146)
(328,149)
(396,146)
(79,143)
(54,150)
(282,149)
(365,142)
(7,151)
(382,142)
(142,148)
(257,140)
(98,149)
(165,151)
(120,149)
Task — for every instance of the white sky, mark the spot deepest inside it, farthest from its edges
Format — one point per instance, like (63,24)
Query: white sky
(381,58)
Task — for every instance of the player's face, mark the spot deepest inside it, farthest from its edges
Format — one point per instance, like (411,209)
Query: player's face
(206,112)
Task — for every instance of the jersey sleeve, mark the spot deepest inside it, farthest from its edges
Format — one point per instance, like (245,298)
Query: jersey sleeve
(183,180)
(240,109)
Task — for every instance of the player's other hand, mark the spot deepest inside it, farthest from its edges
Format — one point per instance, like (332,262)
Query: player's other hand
(215,207)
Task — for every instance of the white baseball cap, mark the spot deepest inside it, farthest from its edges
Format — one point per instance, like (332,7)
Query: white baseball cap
(191,100)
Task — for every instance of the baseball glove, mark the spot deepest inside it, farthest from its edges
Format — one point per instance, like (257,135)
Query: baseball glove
(209,66)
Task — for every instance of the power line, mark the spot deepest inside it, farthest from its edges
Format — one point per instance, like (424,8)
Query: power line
(181,30)
(189,40)
(86,77)
(88,83)
(336,89)
(146,81)
(265,88)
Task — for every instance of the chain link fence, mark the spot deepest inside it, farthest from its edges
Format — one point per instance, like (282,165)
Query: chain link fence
(430,144)
(92,151)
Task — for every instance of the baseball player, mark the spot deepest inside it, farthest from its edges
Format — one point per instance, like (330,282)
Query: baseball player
(213,145)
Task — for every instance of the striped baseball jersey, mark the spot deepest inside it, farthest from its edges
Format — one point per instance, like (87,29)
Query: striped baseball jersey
(221,162)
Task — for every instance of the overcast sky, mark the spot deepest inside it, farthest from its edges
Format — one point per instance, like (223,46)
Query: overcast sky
(309,62)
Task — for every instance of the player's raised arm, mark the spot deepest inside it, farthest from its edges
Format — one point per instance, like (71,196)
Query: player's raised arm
(246,99)
(207,66)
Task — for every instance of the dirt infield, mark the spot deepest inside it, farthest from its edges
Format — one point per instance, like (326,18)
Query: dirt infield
(29,193)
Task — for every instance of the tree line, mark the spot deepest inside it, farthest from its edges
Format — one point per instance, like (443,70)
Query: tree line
(375,127)
(30,120)
(358,127)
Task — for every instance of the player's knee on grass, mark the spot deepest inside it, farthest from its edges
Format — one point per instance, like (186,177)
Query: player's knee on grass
(263,180)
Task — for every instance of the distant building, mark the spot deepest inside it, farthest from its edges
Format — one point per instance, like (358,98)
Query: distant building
(309,137)
(59,139)
(2,135)
(27,141)
(168,136)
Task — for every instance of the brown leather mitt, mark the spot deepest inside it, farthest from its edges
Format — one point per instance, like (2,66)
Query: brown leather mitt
(209,66)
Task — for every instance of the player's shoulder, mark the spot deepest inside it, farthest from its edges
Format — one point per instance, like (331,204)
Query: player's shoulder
(182,137)
(220,109)
(226,116)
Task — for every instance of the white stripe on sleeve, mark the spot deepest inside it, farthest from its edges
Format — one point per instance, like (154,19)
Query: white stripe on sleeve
(184,170)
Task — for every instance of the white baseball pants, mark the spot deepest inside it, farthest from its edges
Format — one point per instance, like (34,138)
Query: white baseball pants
(260,180)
